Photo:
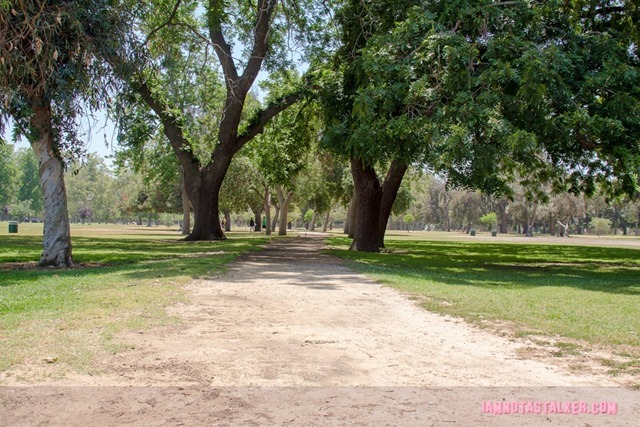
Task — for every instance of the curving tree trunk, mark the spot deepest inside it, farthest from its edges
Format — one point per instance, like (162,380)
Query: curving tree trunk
(374,202)
(56,240)
(203,187)
(327,217)
(390,188)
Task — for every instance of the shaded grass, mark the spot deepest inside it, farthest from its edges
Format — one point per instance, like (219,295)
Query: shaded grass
(64,317)
(585,293)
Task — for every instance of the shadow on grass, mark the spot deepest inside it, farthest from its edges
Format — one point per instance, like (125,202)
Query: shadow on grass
(508,266)
(136,259)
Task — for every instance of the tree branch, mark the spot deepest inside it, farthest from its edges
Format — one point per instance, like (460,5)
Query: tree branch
(266,9)
(172,127)
(220,45)
(257,126)
(164,24)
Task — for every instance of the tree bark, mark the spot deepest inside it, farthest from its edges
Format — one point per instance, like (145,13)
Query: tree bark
(285,202)
(390,188)
(353,224)
(227,221)
(347,219)
(373,203)
(186,208)
(314,218)
(327,216)
(369,195)
(203,187)
(56,240)
(267,210)
(276,215)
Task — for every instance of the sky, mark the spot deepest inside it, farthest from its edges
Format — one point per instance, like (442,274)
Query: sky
(100,137)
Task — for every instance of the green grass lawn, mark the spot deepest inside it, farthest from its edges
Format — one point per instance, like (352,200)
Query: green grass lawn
(584,293)
(127,276)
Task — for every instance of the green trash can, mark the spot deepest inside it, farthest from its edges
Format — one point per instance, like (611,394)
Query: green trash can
(13,226)
(494,233)
(472,232)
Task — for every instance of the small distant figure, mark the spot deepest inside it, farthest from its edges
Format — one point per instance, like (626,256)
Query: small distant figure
(264,223)
(252,225)
(223,223)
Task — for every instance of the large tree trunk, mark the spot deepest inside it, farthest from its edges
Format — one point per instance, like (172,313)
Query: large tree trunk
(284,202)
(369,195)
(390,188)
(373,203)
(203,187)
(56,240)
(186,208)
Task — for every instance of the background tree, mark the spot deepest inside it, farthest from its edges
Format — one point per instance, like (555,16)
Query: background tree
(90,186)
(29,188)
(600,225)
(8,175)
(286,149)
(264,28)
(489,220)
(408,219)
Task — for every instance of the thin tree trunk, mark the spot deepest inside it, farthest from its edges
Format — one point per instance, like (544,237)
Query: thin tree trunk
(267,210)
(314,218)
(285,202)
(347,218)
(353,220)
(56,240)
(276,216)
(327,216)
(227,221)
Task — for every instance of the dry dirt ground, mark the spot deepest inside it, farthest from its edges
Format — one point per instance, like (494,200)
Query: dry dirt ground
(289,336)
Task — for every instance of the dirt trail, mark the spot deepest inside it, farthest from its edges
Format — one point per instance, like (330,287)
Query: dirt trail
(290,336)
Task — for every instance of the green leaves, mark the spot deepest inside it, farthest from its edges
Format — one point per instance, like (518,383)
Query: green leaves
(485,92)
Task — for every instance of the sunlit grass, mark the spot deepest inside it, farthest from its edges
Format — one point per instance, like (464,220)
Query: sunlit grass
(586,293)
(62,318)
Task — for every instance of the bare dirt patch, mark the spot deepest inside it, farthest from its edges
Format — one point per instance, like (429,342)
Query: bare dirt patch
(290,336)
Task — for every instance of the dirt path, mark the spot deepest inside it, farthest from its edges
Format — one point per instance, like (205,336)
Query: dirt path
(290,336)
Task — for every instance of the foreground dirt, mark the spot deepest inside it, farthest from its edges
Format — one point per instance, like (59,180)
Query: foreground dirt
(292,337)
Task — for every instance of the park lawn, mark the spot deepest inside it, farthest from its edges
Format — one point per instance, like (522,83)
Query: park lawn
(584,294)
(63,318)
